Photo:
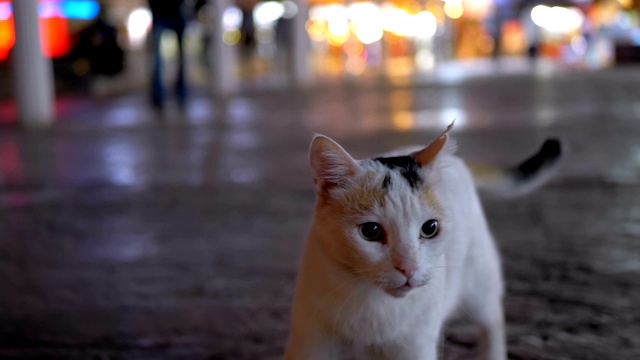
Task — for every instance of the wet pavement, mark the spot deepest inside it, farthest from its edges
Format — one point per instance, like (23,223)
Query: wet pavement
(125,235)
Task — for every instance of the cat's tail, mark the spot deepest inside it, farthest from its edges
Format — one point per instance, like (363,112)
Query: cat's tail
(524,177)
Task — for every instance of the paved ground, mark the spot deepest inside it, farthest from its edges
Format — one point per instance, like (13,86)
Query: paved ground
(127,237)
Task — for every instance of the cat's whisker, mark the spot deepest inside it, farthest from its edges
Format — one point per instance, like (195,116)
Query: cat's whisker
(342,306)
(326,297)
(361,272)
(462,307)
(344,284)
(446,267)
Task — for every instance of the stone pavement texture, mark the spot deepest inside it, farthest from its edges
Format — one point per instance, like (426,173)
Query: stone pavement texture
(124,235)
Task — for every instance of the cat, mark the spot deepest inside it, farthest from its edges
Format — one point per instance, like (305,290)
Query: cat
(397,244)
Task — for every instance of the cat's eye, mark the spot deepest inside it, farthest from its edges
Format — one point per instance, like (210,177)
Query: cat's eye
(371,231)
(429,229)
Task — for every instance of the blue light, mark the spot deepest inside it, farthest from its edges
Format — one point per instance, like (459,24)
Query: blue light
(635,36)
(80,9)
(69,9)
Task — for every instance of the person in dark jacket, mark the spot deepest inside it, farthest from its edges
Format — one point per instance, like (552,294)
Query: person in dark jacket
(167,15)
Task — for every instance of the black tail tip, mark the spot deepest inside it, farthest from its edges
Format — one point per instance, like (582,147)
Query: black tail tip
(549,154)
(551,149)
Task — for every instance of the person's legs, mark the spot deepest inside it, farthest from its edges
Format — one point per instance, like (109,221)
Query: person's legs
(157,89)
(181,82)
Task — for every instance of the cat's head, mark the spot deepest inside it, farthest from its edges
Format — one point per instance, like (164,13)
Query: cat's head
(384,220)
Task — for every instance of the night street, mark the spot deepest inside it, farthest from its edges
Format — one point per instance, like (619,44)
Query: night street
(125,236)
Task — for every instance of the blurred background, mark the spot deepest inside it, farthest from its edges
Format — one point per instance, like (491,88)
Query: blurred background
(104,45)
(154,182)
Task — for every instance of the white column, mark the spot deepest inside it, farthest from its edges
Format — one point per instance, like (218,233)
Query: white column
(224,57)
(33,72)
(300,65)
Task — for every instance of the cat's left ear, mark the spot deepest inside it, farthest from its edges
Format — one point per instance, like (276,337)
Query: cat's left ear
(331,164)
(426,156)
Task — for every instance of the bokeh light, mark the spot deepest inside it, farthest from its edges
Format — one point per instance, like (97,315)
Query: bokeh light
(453,10)
(138,25)
(232,18)
(231,37)
(557,19)
(426,24)
(269,12)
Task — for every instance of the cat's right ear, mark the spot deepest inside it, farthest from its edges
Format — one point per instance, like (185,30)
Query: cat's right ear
(331,164)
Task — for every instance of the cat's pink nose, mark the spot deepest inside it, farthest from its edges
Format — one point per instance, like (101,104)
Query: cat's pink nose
(407,271)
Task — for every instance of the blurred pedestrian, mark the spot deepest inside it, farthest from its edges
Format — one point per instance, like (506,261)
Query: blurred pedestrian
(97,51)
(247,29)
(531,31)
(167,15)
(202,13)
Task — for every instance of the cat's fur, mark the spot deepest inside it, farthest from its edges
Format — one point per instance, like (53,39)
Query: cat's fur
(352,296)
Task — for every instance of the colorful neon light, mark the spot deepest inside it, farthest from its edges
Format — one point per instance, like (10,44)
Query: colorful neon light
(7,37)
(50,9)
(68,9)
(80,9)
(54,37)
(5,11)
(54,30)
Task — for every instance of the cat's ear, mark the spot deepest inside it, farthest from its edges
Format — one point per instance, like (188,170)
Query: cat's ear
(331,164)
(426,156)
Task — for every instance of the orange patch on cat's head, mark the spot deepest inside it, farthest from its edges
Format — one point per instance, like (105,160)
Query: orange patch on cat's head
(364,196)
(360,196)
(429,197)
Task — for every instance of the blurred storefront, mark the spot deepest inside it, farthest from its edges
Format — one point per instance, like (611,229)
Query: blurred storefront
(357,38)
(410,35)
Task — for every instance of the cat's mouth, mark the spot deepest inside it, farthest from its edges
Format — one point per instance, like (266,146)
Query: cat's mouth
(404,289)
(400,291)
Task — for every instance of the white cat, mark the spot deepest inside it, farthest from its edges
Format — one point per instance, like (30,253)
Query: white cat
(397,244)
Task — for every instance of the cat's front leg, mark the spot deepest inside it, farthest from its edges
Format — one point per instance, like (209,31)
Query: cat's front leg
(417,347)
(488,313)
(310,343)
(421,348)
(492,341)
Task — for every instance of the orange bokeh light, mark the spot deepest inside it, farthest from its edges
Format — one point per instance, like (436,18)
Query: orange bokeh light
(7,37)
(55,37)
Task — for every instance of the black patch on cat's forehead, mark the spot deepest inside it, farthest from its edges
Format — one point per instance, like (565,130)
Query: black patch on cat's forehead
(406,165)
(386,182)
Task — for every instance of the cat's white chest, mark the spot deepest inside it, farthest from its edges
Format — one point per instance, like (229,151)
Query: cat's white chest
(378,318)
